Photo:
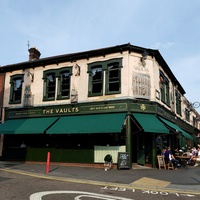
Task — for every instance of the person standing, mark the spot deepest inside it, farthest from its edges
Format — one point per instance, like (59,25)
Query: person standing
(170,158)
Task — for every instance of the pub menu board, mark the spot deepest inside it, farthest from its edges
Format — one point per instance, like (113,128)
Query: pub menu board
(123,161)
(161,162)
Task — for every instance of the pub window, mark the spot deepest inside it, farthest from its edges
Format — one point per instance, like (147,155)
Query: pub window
(113,78)
(187,115)
(110,71)
(96,80)
(164,89)
(64,84)
(16,83)
(194,121)
(178,102)
(50,86)
(57,81)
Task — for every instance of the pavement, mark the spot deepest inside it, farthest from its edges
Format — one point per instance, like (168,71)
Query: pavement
(185,180)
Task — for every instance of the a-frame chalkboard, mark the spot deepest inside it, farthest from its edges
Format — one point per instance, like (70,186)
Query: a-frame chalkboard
(123,161)
(161,162)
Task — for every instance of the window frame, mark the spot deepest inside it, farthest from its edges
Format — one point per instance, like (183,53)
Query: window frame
(187,114)
(59,83)
(178,103)
(164,89)
(57,90)
(12,84)
(105,76)
(91,81)
(108,82)
(45,85)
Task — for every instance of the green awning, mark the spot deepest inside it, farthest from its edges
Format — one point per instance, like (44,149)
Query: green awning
(177,128)
(27,126)
(150,123)
(98,123)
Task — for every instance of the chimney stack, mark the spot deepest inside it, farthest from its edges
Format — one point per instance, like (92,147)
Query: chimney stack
(34,54)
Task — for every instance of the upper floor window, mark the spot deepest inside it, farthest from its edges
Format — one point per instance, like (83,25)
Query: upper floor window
(164,89)
(178,103)
(110,71)
(187,114)
(113,78)
(194,121)
(16,82)
(96,80)
(57,82)
(51,85)
(64,84)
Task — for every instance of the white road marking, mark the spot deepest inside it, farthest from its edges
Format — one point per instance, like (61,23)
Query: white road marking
(39,195)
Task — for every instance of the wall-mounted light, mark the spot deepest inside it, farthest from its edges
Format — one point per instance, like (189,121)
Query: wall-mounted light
(32,76)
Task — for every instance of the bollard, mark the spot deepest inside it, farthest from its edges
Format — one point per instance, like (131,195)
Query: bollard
(48,162)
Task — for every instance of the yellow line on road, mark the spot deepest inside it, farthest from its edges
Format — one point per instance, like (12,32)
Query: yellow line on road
(133,185)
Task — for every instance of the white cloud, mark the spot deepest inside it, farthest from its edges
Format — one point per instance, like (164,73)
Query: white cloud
(159,45)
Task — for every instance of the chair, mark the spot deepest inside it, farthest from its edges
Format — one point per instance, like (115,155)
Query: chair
(170,165)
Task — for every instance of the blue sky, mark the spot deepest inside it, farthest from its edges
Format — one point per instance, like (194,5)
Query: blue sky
(67,26)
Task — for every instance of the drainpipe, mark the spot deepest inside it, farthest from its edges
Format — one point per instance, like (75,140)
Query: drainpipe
(129,137)
(154,153)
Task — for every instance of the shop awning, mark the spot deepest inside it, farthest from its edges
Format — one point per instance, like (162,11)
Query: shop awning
(27,126)
(98,123)
(150,123)
(177,128)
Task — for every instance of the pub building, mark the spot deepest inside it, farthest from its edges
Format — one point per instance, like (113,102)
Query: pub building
(82,106)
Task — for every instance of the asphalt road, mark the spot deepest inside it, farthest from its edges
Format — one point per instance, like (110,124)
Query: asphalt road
(30,181)
(16,186)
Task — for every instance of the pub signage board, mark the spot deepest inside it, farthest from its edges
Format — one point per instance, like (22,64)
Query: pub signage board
(123,161)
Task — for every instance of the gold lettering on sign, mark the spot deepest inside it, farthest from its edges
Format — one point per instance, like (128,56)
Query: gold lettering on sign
(60,110)
(102,108)
(49,111)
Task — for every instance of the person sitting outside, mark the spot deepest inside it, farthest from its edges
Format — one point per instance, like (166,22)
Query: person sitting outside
(108,162)
(194,151)
(196,158)
(170,158)
(163,152)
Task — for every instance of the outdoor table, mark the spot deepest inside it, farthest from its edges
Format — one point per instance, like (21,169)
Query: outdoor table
(183,160)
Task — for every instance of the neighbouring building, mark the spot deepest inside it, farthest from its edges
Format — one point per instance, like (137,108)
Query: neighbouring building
(2,80)
(82,106)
